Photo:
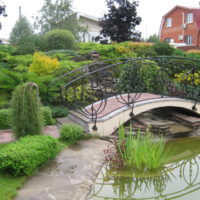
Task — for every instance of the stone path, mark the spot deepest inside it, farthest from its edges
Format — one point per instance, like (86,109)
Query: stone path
(6,136)
(69,176)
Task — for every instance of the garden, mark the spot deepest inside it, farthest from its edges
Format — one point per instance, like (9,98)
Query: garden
(27,105)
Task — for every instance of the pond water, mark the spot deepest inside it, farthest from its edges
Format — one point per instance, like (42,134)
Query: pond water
(179,179)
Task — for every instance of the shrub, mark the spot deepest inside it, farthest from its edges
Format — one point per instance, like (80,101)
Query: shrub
(15,61)
(59,39)
(4,118)
(59,111)
(70,132)
(27,154)
(26,113)
(163,49)
(47,116)
(43,65)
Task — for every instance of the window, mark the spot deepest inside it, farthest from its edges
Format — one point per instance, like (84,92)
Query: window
(168,40)
(188,40)
(169,22)
(189,18)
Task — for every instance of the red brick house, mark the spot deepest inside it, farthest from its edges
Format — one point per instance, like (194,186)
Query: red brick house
(181,26)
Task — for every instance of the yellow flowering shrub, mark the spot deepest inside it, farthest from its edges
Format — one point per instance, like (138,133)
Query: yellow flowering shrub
(190,78)
(43,65)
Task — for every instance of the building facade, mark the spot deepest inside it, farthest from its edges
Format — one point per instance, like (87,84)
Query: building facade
(91,26)
(181,27)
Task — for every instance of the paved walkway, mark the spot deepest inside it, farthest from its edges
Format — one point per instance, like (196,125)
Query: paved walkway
(70,176)
(6,136)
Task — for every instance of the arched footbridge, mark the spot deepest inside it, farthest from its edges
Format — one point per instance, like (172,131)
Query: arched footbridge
(105,94)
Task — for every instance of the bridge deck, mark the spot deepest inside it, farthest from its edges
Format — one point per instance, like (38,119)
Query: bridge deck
(115,103)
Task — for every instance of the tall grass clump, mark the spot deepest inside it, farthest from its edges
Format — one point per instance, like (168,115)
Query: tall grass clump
(26,116)
(141,151)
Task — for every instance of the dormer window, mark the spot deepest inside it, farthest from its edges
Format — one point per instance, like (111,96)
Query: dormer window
(189,18)
(169,22)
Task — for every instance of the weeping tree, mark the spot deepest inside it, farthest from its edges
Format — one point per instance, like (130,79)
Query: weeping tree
(26,110)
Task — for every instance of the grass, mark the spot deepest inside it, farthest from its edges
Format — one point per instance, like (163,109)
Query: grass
(141,152)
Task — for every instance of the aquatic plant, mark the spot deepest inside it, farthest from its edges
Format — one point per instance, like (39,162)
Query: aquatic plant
(140,152)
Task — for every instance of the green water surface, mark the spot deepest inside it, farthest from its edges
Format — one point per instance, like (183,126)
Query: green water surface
(179,179)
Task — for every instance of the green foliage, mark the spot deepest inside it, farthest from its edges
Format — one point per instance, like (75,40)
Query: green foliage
(70,132)
(62,53)
(43,65)
(47,116)
(7,49)
(57,15)
(153,38)
(5,118)
(141,152)
(13,62)
(27,154)
(149,72)
(59,111)
(144,72)
(163,49)
(21,31)
(59,39)
(26,112)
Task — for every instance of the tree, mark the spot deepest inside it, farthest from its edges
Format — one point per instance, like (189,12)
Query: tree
(153,38)
(58,15)
(26,110)
(21,31)
(120,21)
(2,11)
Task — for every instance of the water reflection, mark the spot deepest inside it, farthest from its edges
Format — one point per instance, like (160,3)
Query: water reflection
(179,180)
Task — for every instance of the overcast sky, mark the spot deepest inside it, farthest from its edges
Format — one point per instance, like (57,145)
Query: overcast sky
(151,12)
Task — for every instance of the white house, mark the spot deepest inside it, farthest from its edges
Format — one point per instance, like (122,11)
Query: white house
(92,26)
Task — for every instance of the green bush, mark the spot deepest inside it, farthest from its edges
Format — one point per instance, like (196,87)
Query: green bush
(26,110)
(27,154)
(59,111)
(47,116)
(4,118)
(14,61)
(70,132)
(59,39)
(163,49)
(7,49)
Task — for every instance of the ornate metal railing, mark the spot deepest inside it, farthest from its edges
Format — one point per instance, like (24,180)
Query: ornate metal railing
(127,79)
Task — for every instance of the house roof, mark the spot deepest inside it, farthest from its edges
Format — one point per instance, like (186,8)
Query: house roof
(194,10)
(80,14)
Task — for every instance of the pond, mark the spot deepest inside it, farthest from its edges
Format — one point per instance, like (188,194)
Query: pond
(179,179)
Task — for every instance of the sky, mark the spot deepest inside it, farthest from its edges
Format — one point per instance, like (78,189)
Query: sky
(151,12)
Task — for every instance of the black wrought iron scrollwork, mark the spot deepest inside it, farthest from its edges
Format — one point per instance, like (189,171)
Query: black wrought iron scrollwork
(88,89)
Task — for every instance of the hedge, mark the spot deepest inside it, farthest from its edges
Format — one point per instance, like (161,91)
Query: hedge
(70,132)
(27,154)
(5,117)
